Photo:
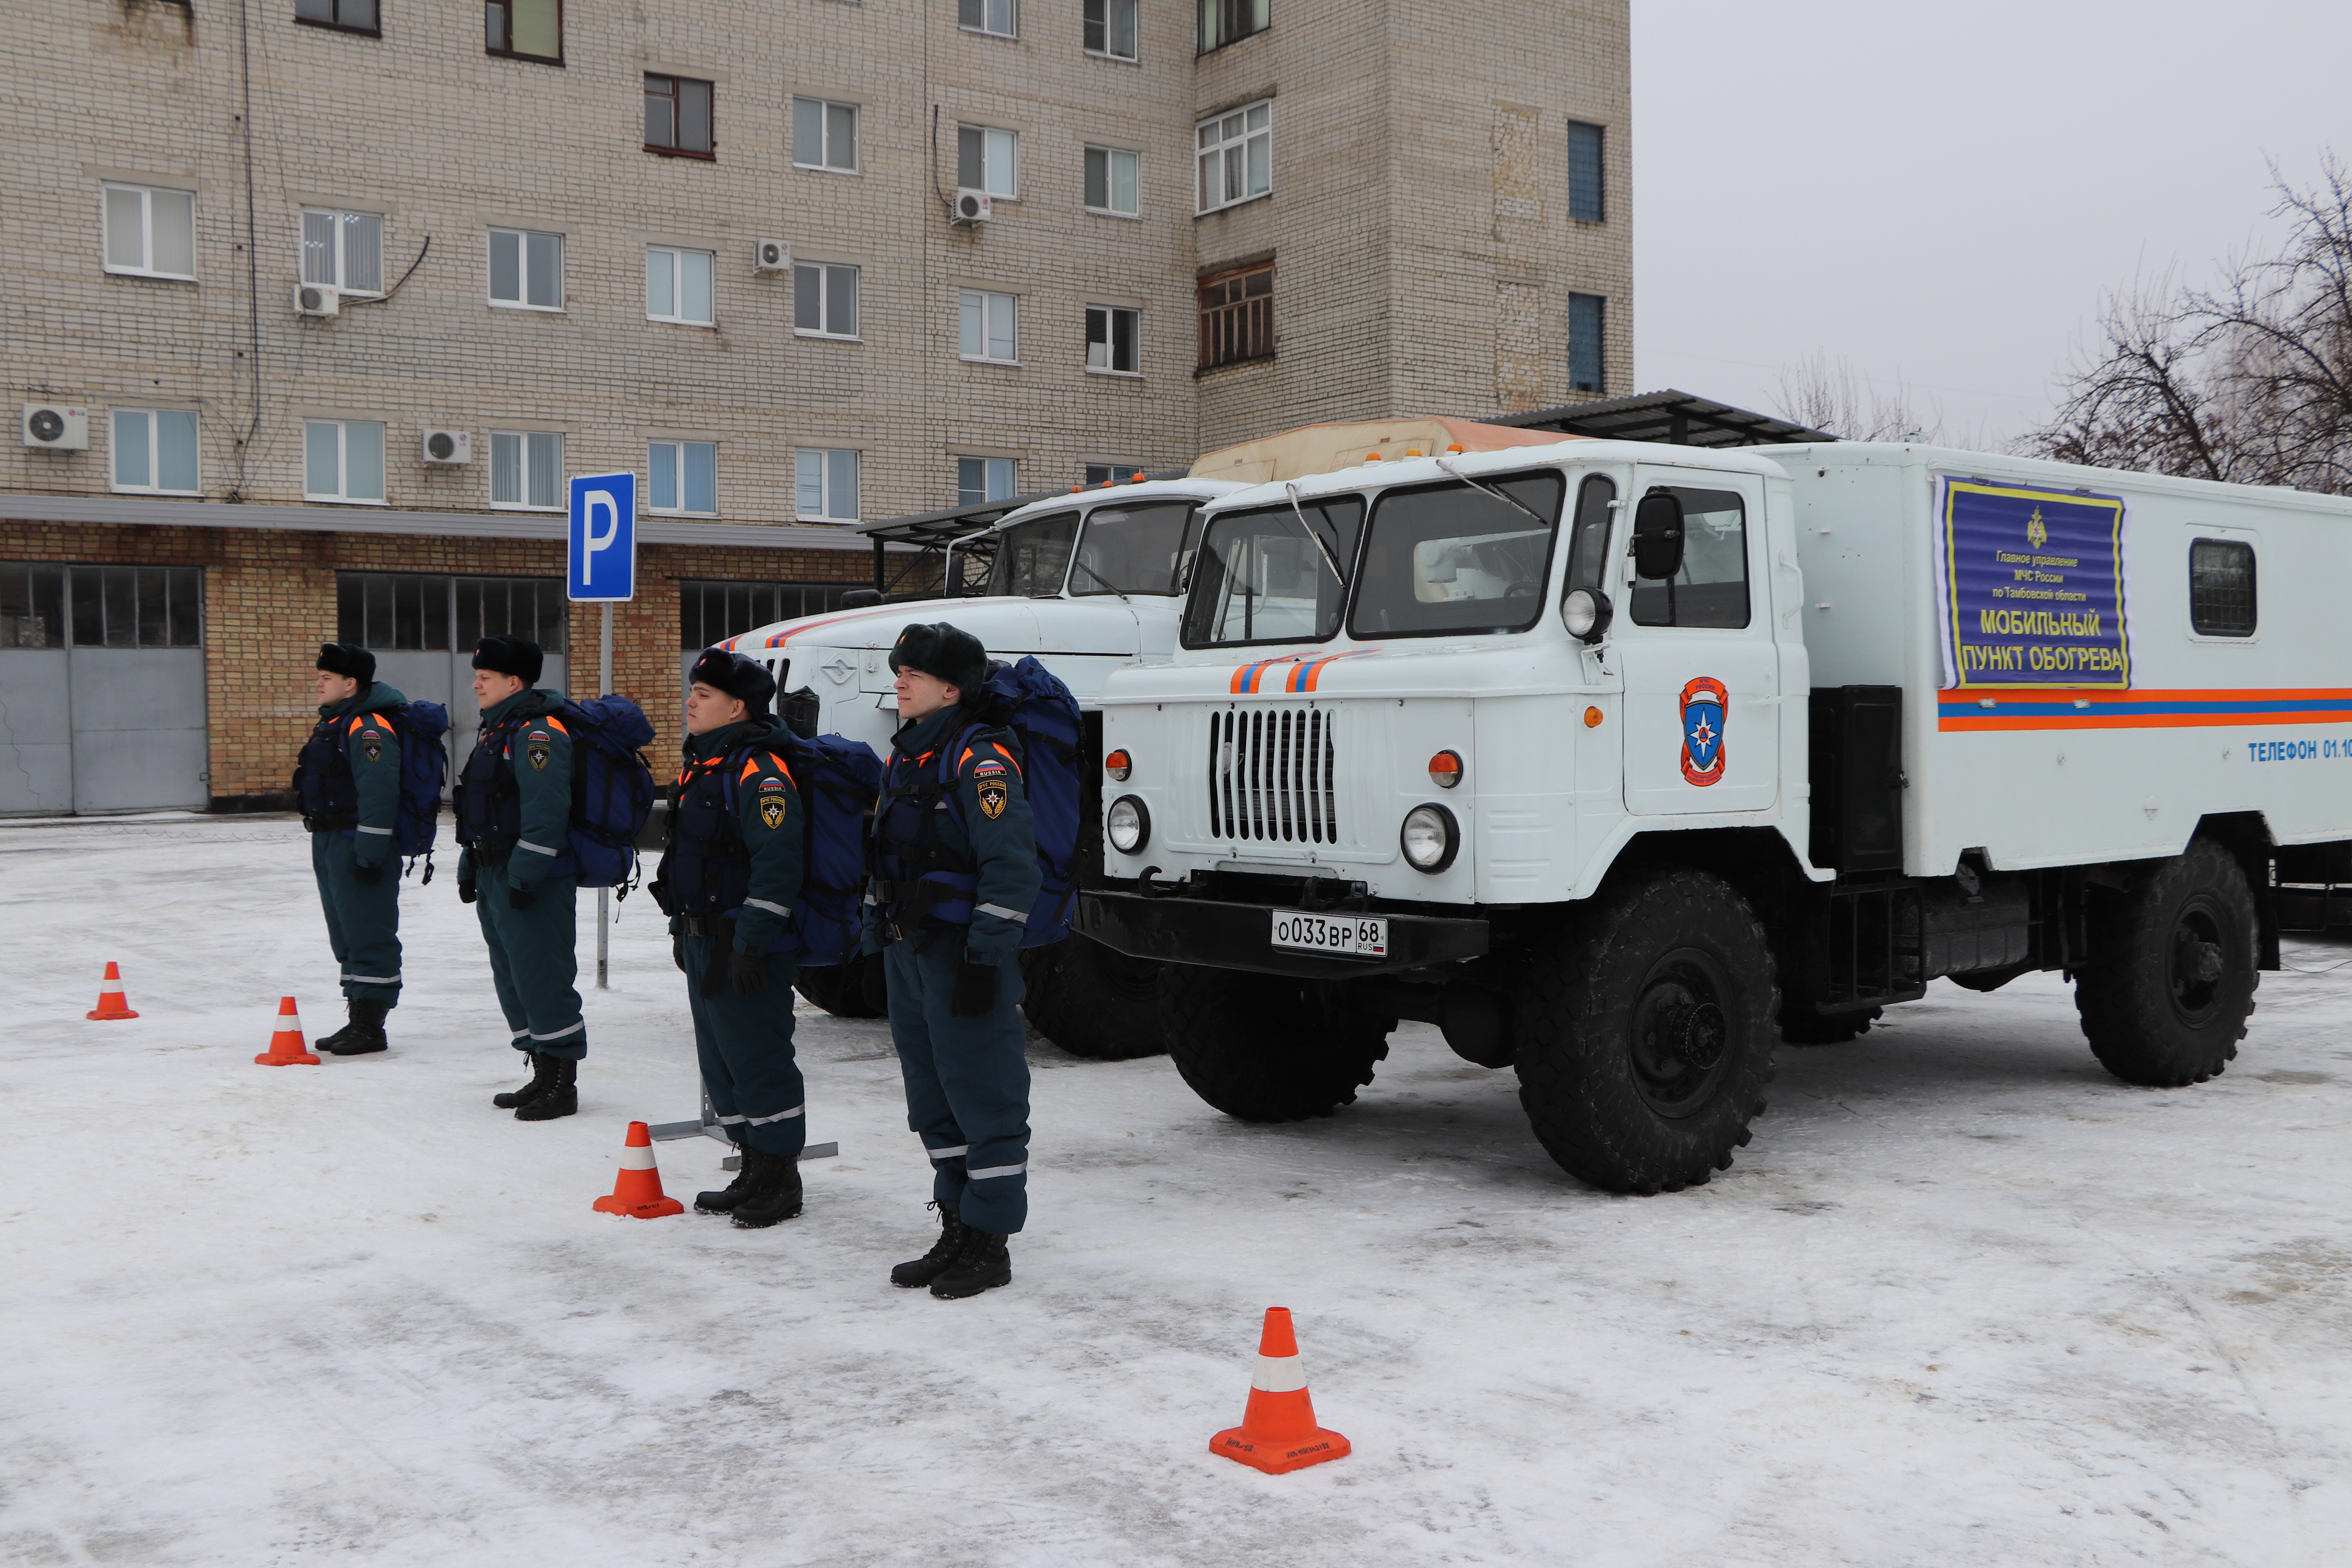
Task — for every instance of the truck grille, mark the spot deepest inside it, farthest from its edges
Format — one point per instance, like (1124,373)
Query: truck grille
(1270,776)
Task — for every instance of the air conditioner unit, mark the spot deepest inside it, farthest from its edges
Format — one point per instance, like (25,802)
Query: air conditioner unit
(316,299)
(57,427)
(971,206)
(771,256)
(449,446)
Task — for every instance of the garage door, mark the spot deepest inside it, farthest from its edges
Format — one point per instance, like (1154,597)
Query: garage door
(421,627)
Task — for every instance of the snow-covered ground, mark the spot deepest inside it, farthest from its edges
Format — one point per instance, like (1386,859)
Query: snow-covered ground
(1965,1300)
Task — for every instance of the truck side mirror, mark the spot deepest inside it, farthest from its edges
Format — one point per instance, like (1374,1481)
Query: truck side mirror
(1658,535)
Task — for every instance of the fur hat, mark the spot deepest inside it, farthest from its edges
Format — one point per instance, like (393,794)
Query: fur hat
(518,656)
(347,658)
(944,652)
(746,678)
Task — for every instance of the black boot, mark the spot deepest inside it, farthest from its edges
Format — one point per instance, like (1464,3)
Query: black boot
(725,1199)
(985,1263)
(543,1076)
(939,1258)
(775,1190)
(561,1095)
(363,1034)
(329,1042)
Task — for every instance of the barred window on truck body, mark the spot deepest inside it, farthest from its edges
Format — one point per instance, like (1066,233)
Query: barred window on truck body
(2221,588)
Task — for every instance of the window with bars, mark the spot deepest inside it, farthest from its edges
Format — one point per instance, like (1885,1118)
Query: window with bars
(1222,21)
(45,605)
(344,251)
(1237,315)
(677,116)
(437,613)
(32,606)
(1588,319)
(526,29)
(1584,188)
(2221,588)
(527,469)
(1236,154)
(349,16)
(710,612)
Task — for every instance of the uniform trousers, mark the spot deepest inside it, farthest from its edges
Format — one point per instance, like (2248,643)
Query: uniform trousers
(534,960)
(744,1045)
(967,1082)
(362,918)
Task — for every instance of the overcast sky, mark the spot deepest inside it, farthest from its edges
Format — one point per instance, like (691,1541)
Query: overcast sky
(1939,195)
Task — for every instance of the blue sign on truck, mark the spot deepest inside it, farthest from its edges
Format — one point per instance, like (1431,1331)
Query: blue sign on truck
(601,561)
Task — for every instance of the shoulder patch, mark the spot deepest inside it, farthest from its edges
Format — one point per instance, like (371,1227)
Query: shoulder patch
(772,809)
(772,782)
(990,769)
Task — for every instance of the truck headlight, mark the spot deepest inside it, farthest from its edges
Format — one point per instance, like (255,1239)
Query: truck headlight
(1585,612)
(1129,825)
(1430,838)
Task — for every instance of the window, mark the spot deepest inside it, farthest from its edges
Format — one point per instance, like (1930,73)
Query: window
(526,269)
(432,613)
(824,135)
(32,606)
(677,285)
(980,480)
(1136,548)
(1236,315)
(343,250)
(677,116)
(1111,332)
(1112,473)
(527,469)
(1033,557)
(987,328)
(351,16)
(342,460)
(824,299)
(1584,189)
(1111,182)
(1259,578)
(106,606)
(682,476)
(826,483)
(2221,588)
(1588,546)
(1110,29)
(527,29)
(1450,559)
(988,161)
(1711,587)
(154,451)
(1222,21)
(150,233)
(711,612)
(993,16)
(1236,154)
(1587,315)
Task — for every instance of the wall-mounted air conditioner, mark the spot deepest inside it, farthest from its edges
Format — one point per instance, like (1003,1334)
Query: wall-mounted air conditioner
(448,446)
(316,299)
(972,206)
(57,427)
(771,256)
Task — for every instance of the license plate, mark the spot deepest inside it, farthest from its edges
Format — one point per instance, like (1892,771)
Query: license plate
(1349,936)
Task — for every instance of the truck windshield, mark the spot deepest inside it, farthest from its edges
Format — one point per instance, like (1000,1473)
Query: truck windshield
(1451,558)
(1135,549)
(1260,578)
(1033,557)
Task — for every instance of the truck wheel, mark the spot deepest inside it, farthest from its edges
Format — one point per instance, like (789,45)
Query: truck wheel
(1806,1027)
(1267,1048)
(1646,1027)
(2168,983)
(1093,1002)
(839,988)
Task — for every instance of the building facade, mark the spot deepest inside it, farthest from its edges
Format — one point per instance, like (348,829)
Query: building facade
(324,293)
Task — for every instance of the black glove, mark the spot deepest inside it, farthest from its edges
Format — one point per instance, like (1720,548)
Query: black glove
(465,894)
(747,972)
(520,897)
(873,984)
(975,989)
(678,952)
(369,876)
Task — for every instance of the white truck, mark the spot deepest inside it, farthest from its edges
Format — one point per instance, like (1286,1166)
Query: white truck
(1622,763)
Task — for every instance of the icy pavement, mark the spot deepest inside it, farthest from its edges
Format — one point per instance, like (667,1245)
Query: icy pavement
(1965,1300)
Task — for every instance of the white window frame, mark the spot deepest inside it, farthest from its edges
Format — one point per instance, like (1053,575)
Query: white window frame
(154,453)
(523,236)
(340,495)
(986,300)
(677,459)
(1134,31)
(523,440)
(340,225)
(1010,10)
(830,461)
(825,279)
(826,106)
(1009,141)
(1012,482)
(147,194)
(1204,149)
(1110,156)
(1110,314)
(679,257)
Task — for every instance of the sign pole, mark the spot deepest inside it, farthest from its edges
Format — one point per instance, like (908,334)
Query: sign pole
(605,895)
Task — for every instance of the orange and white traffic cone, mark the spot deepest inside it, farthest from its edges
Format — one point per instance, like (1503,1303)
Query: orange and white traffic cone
(286,1047)
(636,1192)
(111,1003)
(1278,1431)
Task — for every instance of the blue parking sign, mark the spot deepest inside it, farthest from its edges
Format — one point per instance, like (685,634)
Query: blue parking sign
(601,562)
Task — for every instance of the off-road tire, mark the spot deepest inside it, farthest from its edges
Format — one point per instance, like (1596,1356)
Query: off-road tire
(1801,1026)
(2151,1015)
(1093,1002)
(1610,1095)
(838,988)
(1266,1048)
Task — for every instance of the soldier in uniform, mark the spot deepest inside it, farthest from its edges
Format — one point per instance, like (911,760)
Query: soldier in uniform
(347,783)
(728,880)
(956,873)
(514,810)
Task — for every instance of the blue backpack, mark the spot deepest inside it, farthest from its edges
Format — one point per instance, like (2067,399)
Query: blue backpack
(1031,700)
(612,789)
(839,780)
(424,765)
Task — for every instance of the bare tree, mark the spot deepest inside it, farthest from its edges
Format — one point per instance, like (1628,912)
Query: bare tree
(1835,399)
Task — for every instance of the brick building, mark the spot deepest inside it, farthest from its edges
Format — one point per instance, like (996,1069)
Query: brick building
(263,252)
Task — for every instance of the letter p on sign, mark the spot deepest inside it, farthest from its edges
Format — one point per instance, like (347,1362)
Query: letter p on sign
(601,560)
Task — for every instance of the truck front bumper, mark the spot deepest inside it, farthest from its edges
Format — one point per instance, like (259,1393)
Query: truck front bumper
(1240,936)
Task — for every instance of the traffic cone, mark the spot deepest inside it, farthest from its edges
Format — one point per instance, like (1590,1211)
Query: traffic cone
(636,1192)
(1278,1431)
(111,1003)
(286,1047)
